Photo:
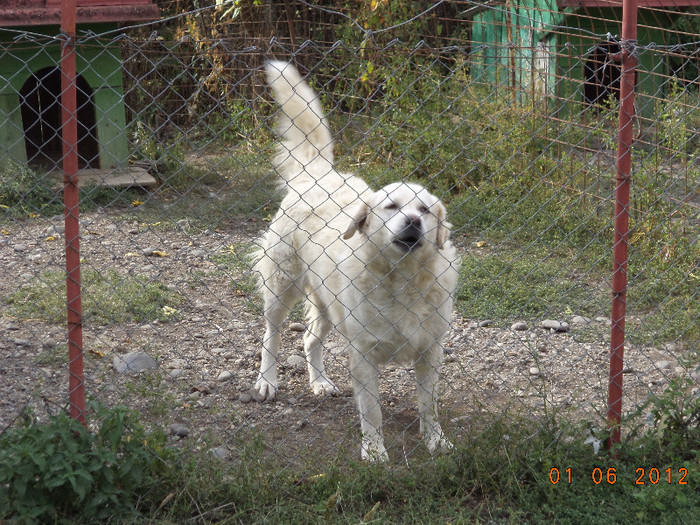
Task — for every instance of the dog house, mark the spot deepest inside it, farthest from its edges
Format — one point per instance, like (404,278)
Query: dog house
(30,82)
(561,48)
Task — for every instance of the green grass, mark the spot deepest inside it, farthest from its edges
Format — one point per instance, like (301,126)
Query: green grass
(107,298)
(506,469)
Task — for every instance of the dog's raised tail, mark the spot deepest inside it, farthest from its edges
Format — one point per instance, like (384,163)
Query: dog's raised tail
(304,134)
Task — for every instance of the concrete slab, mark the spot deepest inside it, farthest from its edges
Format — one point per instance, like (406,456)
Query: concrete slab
(114,178)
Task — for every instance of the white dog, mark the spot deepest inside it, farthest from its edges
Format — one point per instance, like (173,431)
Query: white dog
(376,266)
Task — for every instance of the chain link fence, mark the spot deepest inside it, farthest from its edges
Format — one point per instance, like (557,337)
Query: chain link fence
(508,115)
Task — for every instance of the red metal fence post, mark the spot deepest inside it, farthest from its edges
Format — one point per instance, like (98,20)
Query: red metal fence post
(622,197)
(69,128)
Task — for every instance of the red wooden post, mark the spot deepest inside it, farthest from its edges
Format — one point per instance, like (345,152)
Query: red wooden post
(622,197)
(69,130)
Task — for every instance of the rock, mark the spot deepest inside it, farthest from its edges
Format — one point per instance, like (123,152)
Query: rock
(662,365)
(54,231)
(534,371)
(199,253)
(175,373)
(578,319)
(49,343)
(20,247)
(604,320)
(295,360)
(520,326)
(148,252)
(178,429)
(557,326)
(297,327)
(225,376)
(485,323)
(134,362)
(292,400)
(245,398)
(221,453)
(670,347)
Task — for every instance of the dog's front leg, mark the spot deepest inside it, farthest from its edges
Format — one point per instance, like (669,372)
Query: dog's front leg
(365,385)
(266,385)
(427,376)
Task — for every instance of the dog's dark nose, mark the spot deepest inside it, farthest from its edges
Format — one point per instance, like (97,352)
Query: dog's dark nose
(411,234)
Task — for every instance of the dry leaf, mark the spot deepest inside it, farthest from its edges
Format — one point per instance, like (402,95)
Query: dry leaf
(370,515)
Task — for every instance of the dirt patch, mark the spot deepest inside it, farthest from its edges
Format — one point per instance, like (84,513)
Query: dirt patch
(214,327)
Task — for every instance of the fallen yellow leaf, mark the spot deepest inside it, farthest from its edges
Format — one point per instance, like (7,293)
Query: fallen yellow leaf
(158,253)
(34,215)
(51,238)
(5,232)
(169,310)
(131,254)
(135,203)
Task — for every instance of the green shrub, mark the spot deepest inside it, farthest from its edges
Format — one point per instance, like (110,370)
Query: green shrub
(24,191)
(58,470)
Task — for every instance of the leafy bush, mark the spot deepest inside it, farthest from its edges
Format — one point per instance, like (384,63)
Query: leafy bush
(49,472)
(24,191)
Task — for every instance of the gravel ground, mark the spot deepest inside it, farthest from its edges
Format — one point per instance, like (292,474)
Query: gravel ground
(208,351)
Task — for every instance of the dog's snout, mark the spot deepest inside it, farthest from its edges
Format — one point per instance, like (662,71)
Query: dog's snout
(414,221)
(411,234)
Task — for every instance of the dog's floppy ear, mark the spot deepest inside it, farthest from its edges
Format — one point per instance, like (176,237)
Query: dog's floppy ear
(358,221)
(443,229)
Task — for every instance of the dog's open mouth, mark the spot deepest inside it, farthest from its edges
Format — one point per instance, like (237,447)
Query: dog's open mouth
(409,240)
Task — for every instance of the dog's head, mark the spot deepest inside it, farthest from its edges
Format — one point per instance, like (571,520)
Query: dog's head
(403,217)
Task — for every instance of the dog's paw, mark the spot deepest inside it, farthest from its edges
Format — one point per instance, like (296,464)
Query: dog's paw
(373,450)
(437,442)
(265,389)
(324,387)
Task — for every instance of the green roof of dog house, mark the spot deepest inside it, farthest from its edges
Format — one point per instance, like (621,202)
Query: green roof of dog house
(30,81)
(541,46)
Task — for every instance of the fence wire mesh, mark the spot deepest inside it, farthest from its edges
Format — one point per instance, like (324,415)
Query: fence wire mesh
(507,114)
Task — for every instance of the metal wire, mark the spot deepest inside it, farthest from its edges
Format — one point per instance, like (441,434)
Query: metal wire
(176,141)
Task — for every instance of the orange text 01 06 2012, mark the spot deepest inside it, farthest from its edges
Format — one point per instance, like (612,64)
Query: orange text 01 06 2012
(643,476)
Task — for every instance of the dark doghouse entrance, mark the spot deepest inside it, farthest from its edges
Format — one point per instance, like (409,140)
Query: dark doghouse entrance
(602,75)
(40,100)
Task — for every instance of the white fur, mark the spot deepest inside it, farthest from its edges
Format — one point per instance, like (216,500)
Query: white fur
(376,266)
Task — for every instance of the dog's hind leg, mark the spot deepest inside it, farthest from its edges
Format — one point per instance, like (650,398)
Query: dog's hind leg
(427,375)
(318,328)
